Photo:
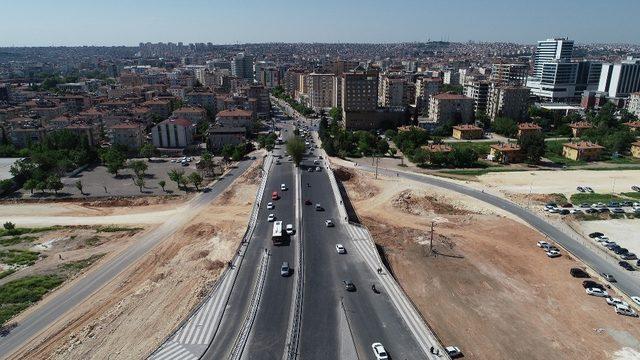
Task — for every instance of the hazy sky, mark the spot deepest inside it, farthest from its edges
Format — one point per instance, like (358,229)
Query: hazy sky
(128,22)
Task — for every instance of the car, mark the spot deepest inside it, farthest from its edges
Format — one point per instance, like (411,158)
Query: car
(598,205)
(596,234)
(275,195)
(184,163)
(578,273)
(592,284)
(379,351)
(596,292)
(635,188)
(310,169)
(609,277)
(340,249)
(604,210)
(615,301)
(271,218)
(602,239)
(318,168)
(289,229)
(576,211)
(554,210)
(307,202)
(319,208)
(173,160)
(588,189)
(629,256)
(617,210)
(564,212)
(553,253)
(551,205)
(567,205)
(613,204)
(626,203)
(625,265)
(285,270)
(620,250)
(270,206)
(543,244)
(609,244)
(329,223)
(625,310)
(278,162)
(580,188)
(636,299)
(585,205)
(283,187)
(591,211)
(453,352)
(348,285)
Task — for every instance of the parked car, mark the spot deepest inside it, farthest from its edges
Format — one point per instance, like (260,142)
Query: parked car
(626,203)
(635,188)
(613,204)
(580,188)
(564,212)
(271,218)
(270,206)
(625,265)
(307,202)
(629,256)
(591,211)
(588,189)
(585,205)
(453,352)
(604,210)
(550,205)
(553,253)
(340,249)
(615,301)
(379,351)
(625,310)
(543,244)
(596,292)
(592,284)
(609,277)
(567,205)
(617,210)
(578,273)
(554,210)
(289,229)
(636,299)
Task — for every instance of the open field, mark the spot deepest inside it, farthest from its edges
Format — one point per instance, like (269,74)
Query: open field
(487,287)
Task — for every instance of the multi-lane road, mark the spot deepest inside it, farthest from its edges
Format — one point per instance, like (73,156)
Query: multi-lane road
(66,299)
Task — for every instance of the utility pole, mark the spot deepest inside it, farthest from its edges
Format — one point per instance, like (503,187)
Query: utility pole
(377,159)
(431,239)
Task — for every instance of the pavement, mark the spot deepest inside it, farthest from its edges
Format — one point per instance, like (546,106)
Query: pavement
(626,282)
(60,302)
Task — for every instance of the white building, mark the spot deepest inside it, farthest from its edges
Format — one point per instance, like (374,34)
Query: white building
(634,104)
(620,80)
(173,133)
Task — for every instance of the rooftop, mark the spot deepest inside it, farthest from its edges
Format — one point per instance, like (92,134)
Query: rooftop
(234,113)
(437,148)
(450,96)
(505,147)
(580,125)
(529,126)
(467,127)
(583,145)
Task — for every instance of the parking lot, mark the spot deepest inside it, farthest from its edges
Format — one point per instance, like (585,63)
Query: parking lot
(98,182)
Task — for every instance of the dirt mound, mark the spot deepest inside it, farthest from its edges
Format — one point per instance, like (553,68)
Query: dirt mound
(359,186)
(200,230)
(409,202)
(343,174)
(130,201)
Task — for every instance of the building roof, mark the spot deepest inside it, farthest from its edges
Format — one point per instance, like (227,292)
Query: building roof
(637,143)
(450,96)
(633,124)
(227,130)
(189,109)
(580,125)
(234,113)
(467,127)
(582,145)
(125,126)
(409,128)
(177,121)
(440,148)
(506,147)
(529,126)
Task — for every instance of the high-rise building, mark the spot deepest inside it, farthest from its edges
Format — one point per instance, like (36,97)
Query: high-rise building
(451,77)
(425,88)
(478,90)
(242,66)
(321,91)
(360,91)
(508,101)
(621,79)
(554,75)
(515,74)
(396,92)
(551,50)
(447,107)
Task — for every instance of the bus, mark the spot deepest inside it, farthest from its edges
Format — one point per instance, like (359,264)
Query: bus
(277,237)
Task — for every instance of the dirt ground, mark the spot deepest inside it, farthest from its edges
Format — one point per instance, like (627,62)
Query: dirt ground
(487,287)
(132,315)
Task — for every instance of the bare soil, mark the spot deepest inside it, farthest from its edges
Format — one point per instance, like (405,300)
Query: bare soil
(485,286)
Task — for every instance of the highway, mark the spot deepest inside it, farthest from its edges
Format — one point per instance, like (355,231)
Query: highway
(626,282)
(64,300)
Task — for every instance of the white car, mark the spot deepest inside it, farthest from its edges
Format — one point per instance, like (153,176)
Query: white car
(553,253)
(543,244)
(602,239)
(453,351)
(596,292)
(271,218)
(636,299)
(270,206)
(616,302)
(554,210)
(340,249)
(283,187)
(328,223)
(289,229)
(318,168)
(379,351)
(625,310)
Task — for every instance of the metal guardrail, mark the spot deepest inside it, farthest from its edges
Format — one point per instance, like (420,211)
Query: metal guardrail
(293,333)
(241,340)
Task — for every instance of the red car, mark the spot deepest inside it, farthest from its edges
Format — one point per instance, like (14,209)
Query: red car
(275,196)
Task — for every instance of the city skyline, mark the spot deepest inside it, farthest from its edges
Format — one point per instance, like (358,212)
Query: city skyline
(73,23)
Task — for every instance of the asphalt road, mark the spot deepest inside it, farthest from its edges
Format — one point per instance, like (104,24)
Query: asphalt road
(372,317)
(268,334)
(626,281)
(60,302)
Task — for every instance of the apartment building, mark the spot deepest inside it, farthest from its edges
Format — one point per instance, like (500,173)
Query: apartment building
(621,79)
(130,135)
(242,66)
(425,88)
(514,74)
(359,98)
(320,91)
(449,107)
(478,90)
(396,92)
(633,106)
(194,114)
(508,101)
(235,118)
(173,133)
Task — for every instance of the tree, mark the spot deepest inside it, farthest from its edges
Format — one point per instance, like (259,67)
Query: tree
(78,185)
(114,160)
(393,152)
(41,186)
(54,183)
(533,147)
(176,176)
(420,156)
(139,183)
(296,148)
(336,113)
(505,126)
(139,167)
(162,184)
(148,150)
(31,185)
(196,179)
(9,226)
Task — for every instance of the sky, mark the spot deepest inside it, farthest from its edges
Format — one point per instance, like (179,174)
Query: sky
(129,22)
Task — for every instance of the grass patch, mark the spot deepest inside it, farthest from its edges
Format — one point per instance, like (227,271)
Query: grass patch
(75,266)
(18,295)
(18,257)
(593,198)
(93,241)
(21,231)
(4,274)
(478,172)
(483,148)
(115,228)
(609,168)
(633,195)
(16,240)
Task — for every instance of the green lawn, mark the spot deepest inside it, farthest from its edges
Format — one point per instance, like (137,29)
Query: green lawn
(75,266)
(579,198)
(21,231)
(483,148)
(16,240)
(18,257)
(18,295)
(4,274)
(115,228)
(633,195)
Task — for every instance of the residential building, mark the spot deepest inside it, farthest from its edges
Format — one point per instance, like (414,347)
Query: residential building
(205,99)
(235,118)
(577,128)
(262,99)
(396,92)
(513,74)
(449,107)
(359,98)
(158,107)
(582,151)
(291,83)
(425,88)
(451,77)
(194,114)
(508,101)
(130,135)
(219,136)
(506,153)
(478,90)
(621,79)
(528,128)
(633,106)
(635,149)
(242,66)
(85,131)
(634,126)
(467,132)
(320,91)
(173,133)
(23,137)
(591,99)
